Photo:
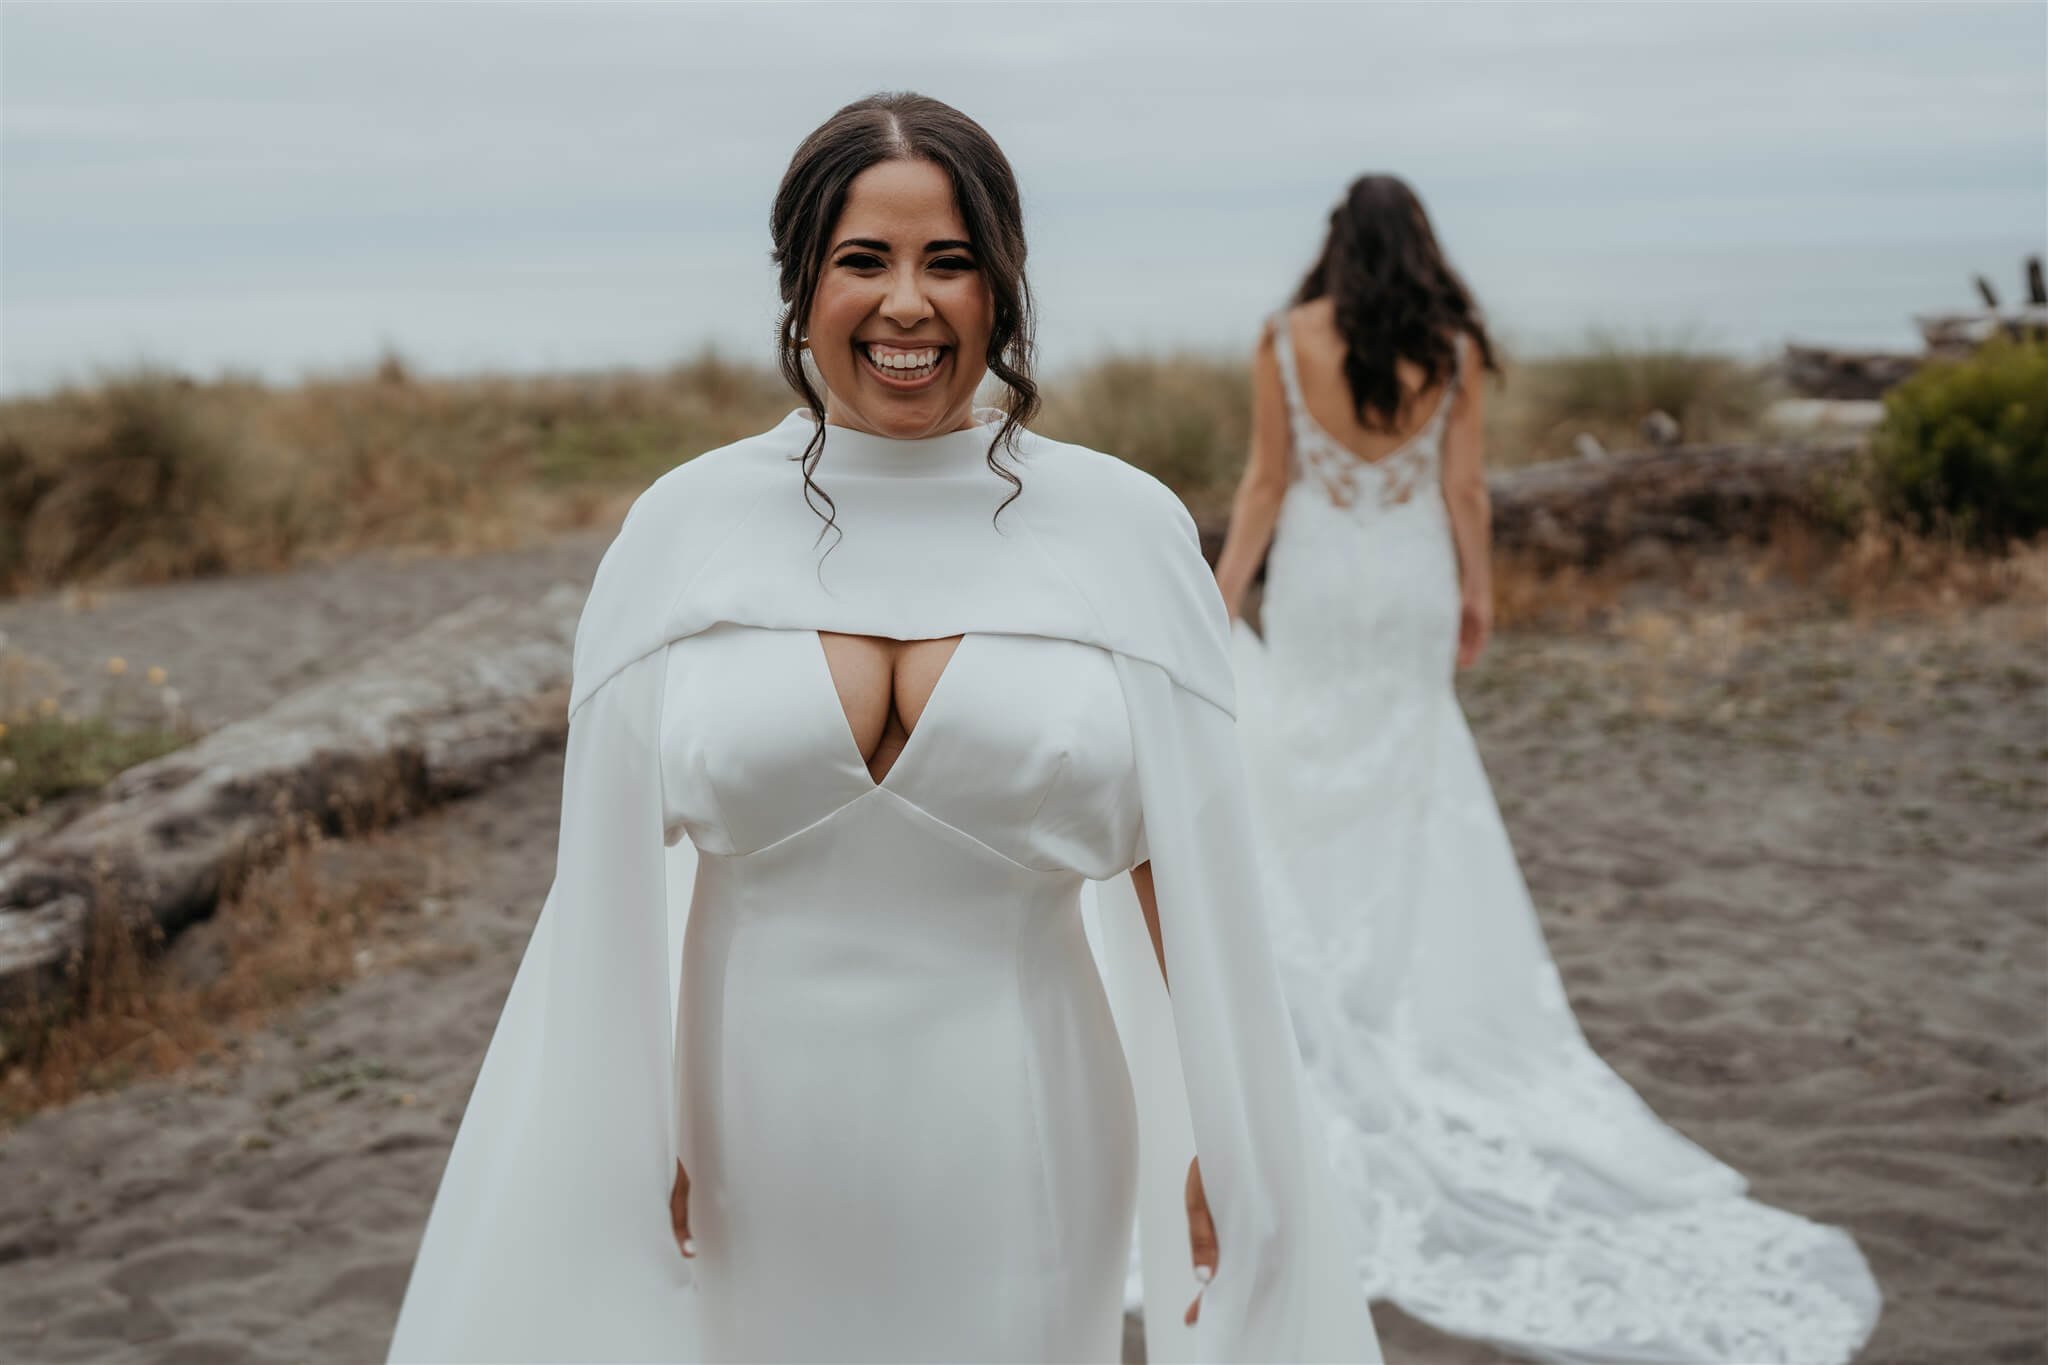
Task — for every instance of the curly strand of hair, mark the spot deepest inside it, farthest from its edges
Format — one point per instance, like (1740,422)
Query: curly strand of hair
(790,359)
(1018,411)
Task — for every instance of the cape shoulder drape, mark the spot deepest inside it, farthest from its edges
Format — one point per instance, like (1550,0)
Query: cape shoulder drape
(549,1238)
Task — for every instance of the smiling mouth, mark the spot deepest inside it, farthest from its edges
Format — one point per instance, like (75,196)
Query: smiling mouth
(903,367)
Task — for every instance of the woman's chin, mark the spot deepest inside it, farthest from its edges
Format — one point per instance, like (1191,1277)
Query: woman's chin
(910,416)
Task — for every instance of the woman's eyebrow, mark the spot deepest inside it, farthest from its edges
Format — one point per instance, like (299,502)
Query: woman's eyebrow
(875,244)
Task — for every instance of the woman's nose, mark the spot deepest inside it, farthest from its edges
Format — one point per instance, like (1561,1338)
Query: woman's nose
(906,304)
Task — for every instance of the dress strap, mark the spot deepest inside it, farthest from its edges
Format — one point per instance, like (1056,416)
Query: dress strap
(1283,342)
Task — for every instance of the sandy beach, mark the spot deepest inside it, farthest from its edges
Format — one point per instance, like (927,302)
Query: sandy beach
(1796,880)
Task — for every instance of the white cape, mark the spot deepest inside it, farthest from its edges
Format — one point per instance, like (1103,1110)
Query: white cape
(549,1238)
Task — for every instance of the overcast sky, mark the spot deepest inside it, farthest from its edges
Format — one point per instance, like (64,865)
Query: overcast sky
(282,187)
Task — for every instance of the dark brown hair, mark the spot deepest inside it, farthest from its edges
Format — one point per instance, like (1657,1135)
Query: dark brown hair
(1396,296)
(901,126)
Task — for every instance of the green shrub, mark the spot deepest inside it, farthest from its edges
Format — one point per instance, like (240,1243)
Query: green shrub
(1964,446)
(43,757)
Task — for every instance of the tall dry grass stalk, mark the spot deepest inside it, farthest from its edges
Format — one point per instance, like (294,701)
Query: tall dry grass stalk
(149,476)
(1185,419)
(1883,570)
(1799,569)
(1609,386)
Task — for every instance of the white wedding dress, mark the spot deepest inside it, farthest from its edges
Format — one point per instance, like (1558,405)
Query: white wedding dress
(908,1036)
(1511,1186)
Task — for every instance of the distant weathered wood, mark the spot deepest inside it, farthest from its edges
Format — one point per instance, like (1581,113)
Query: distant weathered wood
(1957,334)
(2037,287)
(434,716)
(1986,293)
(1823,372)
(1584,512)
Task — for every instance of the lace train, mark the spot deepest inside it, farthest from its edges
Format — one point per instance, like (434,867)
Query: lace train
(1511,1186)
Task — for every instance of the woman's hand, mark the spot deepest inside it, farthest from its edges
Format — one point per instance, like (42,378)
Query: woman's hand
(1233,596)
(679,1212)
(1475,627)
(1201,1236)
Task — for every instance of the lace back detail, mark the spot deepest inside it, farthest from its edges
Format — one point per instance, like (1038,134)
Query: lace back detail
(1345,478)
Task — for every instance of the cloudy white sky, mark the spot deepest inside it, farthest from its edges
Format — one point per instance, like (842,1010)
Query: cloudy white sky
(279,188)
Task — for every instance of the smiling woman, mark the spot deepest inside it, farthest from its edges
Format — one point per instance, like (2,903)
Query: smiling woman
(844,1032)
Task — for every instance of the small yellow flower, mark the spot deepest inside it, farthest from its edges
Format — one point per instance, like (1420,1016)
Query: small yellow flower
(117,665)
(3,729)
(157,675)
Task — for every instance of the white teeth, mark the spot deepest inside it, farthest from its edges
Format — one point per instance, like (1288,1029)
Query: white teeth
(903,361)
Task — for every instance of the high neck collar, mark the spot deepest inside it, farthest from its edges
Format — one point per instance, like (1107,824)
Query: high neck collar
(859,452)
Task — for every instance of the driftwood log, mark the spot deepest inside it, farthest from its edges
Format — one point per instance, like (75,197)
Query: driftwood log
(1581,513)
(436,715)
(1959,334)
(1822,372)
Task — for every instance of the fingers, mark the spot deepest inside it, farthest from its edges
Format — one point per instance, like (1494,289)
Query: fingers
(1201,1236)
(1473,633)
(679,1212)
(1201,1228)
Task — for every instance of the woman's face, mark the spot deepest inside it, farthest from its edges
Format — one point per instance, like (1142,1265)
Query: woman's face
(900,323)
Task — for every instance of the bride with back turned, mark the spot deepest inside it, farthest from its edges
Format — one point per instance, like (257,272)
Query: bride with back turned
(1512,1187)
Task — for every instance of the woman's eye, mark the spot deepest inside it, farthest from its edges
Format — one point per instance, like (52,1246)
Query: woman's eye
(860,260)
(952,263)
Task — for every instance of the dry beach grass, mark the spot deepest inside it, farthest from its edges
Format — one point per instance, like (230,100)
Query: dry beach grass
(149,476)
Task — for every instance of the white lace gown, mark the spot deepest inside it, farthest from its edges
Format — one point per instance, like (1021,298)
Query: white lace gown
(1512,1187)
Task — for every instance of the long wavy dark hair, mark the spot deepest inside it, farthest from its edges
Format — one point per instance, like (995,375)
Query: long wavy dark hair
(901,126)
(1396,296)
